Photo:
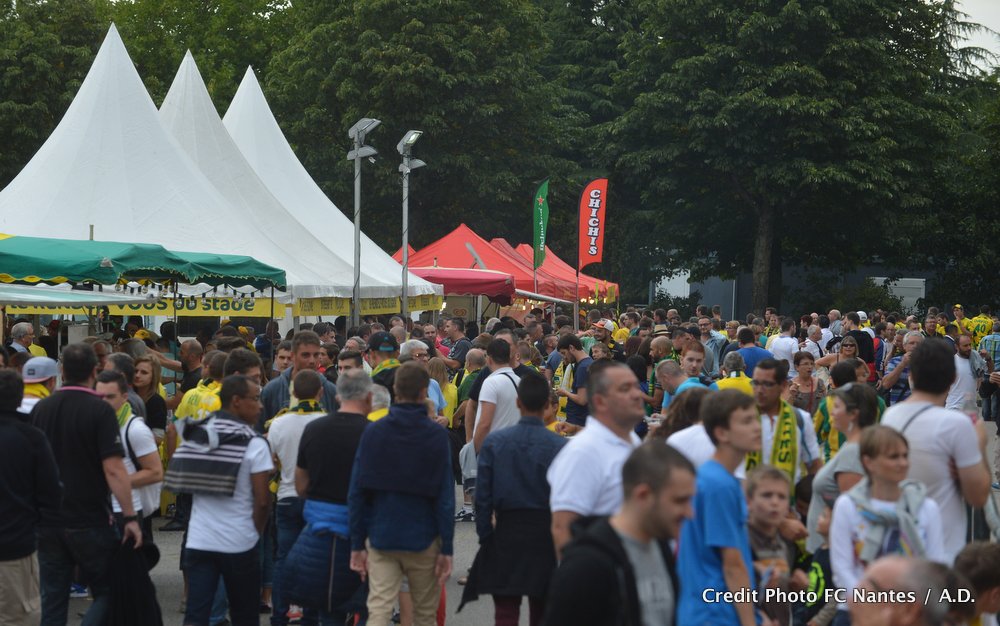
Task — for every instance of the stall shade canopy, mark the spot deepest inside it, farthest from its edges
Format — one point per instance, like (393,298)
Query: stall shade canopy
(42,295)
(463,248)
(232,269)
(557,267)
(34,260)
(497,286)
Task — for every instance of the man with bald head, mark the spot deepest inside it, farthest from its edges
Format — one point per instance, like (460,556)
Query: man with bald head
(907,591)
(190,357)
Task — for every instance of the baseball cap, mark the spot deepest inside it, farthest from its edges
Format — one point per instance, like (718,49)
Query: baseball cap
(383,342)
(607,325)
(142,333)
(39,368)
(957,306)
(863,316)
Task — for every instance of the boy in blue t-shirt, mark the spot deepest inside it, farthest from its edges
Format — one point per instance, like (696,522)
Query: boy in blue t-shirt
(714,552)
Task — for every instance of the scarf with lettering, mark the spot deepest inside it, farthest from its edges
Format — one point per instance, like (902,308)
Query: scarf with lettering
(785,446)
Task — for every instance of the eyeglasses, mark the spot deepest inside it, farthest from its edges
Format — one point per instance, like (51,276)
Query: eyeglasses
(420,355)
(766,384)
(848,345)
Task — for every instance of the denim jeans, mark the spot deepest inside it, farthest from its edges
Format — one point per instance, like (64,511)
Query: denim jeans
(59,551)
(241,574)
(288,516)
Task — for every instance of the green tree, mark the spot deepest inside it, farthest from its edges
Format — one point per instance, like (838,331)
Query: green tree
(462,71)
(46,48)
(960,237)
(765,131)
(225,36)
(581,63)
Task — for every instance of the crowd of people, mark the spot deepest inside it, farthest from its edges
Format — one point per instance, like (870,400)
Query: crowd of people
(627,469)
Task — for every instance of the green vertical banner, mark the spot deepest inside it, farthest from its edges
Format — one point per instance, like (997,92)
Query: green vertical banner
(541,220)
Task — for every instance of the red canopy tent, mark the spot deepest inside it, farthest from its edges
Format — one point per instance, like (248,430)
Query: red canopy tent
(463,248)
(497,286)
(504,246)
(557,267)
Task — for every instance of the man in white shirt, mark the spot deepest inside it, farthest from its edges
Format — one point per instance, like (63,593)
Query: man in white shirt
(943,443)
(813,339)
(969,371)
(224,530)
(585,477)
(785,345)
(498,396)
(769,383)
(284,435)
(140,445)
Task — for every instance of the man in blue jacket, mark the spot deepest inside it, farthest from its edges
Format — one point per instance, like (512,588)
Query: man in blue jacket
(402,503)
(277,394)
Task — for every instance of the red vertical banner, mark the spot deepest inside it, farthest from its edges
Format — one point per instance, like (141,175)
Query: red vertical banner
(592,222)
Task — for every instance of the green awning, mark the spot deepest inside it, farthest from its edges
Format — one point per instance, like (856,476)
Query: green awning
(34,260)
(232,269)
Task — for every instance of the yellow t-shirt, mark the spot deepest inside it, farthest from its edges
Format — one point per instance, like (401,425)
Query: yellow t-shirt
(200,401)
(740,383)
(450,392)
(621,335)
(980,326)
(36,350)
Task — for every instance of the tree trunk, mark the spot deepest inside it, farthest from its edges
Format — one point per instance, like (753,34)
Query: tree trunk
(762,259)
(776,285)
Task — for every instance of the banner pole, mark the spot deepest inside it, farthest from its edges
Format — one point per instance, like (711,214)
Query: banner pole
(576,301)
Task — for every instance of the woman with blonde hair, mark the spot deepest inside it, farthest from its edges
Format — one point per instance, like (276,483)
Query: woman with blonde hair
(884,514)
(147,385)
(439,372)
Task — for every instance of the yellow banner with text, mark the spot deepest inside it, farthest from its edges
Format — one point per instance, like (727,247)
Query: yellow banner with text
(228,307)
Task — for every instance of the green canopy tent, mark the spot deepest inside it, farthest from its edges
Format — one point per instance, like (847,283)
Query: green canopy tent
(34,260)
(232,269)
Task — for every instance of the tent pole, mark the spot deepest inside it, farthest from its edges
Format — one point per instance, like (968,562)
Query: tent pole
(268,327)
(576,302)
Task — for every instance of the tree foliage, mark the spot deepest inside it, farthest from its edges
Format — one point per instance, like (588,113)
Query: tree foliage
(464,72)
(225,36)
(737,134)
(46,47)
(755,123)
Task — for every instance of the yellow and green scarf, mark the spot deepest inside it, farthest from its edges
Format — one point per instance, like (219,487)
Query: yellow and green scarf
(123,414)
(785,448)
(388,364)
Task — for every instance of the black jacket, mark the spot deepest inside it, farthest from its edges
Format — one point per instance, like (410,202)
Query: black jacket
(29,482)
(595,583)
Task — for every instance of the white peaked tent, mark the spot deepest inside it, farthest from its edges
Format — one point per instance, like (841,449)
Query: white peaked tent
(189,115)
(111,164)
(252,126)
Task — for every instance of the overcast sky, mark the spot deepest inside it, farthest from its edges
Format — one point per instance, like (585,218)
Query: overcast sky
(987,13)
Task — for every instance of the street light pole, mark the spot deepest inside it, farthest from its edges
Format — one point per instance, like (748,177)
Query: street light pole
(357,134)
(409,163)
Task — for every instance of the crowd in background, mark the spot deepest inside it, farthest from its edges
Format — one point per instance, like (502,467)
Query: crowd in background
(320,475)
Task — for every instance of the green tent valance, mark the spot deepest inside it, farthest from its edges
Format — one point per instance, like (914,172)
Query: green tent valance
(34,260)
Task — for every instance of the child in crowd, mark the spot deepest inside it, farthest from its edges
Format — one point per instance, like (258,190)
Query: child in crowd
(550,417)
(774,558)
(714,551)
(979,563)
